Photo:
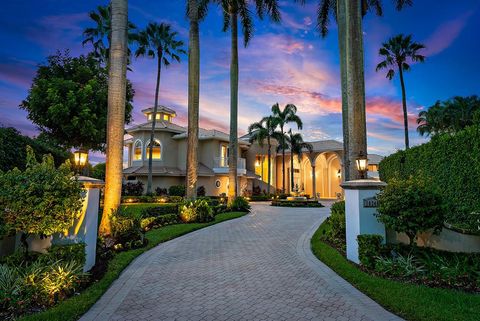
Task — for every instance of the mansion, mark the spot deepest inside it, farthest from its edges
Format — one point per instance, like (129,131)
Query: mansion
(323,164)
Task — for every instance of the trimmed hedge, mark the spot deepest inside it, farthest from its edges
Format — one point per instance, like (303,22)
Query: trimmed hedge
(285,203)
(452,164)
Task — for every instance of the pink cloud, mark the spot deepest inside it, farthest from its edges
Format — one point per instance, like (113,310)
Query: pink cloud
(445,34)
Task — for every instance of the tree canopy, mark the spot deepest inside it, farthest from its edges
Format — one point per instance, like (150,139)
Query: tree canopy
(13,149)
(449,116)
(68,101)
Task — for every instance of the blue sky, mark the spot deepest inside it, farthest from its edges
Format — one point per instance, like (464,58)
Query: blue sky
(285,63)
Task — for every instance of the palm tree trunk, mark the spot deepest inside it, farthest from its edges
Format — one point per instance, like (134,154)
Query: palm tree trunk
(357,128)
(269,174)
(117,87)
(233,156)
(154,122)
(193,101)
(341,22)
(404,103)
(291,170)
(283,160)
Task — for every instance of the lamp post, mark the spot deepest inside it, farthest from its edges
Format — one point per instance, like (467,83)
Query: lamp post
(80,158)
(362,164)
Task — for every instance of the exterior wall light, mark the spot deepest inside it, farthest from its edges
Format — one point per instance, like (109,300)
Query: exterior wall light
(339,173)
(362,165)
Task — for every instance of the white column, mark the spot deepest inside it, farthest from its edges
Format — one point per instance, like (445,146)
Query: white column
(85,227)
(360,209)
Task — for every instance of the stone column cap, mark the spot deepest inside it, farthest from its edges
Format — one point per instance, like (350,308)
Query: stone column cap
(363,184)
(90,182)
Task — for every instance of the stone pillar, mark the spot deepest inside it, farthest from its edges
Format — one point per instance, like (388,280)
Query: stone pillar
(314,182)
(360,209)
(85,227)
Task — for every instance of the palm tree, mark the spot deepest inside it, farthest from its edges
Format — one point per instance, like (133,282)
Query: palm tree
(196,12)
(285,116)
(158,40)
(448,116)
(117,86)
(397,52)
(297,146)
(232,11)
(348,14)
(96,35)
(265,130)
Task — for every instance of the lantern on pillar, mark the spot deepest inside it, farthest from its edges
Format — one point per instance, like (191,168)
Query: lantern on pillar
(80,158)
(362,165)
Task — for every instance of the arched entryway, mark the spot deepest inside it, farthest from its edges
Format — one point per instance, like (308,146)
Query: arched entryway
(327,175)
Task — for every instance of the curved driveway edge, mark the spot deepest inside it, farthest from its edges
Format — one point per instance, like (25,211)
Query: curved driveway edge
(257,267)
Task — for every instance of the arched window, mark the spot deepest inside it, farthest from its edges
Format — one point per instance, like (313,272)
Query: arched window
(157,150)
(137,150)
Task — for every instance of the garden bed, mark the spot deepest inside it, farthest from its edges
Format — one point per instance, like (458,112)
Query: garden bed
(409,300)
(296,203)
(74,307)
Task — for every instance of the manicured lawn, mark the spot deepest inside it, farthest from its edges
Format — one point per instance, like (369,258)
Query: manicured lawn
(410,301)
(74,307)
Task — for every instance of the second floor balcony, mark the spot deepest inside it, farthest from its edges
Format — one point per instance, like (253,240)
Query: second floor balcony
(220,165)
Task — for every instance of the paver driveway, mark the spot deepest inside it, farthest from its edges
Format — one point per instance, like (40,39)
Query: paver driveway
(258,267)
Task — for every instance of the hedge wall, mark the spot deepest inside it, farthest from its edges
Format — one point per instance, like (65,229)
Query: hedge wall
(452,164)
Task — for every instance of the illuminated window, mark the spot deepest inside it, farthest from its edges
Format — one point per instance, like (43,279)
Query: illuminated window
(373,168)
(165,117)
(137,150)
(156,150)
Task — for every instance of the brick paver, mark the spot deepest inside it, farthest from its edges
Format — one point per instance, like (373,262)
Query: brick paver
(258,267)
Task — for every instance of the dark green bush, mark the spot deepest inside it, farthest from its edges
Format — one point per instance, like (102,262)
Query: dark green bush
(125,228)
(161,191)
(177,190)
(451,164)
(299,203)
(132,189)
(240,204)
(369,247)
(337,221)
(160,210)
(201,191)
(338,207)
(68,252)
(175,199)
(221,208)
(260,198)
(410,206)
(195,211)
(167,219)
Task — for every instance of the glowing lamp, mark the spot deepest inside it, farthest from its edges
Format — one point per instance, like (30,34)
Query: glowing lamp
(257,162)
(80,158)
(362,164)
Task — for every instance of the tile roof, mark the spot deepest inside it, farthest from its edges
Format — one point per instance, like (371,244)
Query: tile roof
(159,170)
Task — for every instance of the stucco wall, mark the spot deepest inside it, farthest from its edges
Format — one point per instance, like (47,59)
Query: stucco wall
(447,240)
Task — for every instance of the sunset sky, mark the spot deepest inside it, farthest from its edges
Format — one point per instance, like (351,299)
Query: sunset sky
(285,63)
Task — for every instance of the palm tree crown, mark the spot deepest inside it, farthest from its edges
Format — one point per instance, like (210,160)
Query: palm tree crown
(397,52)
(328,8)
(97,35)
(159,40)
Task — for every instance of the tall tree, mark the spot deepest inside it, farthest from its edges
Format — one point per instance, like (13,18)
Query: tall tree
(158,41)
(348,14)
(284,117)
(117,85)
(232,10)
(196,12)
(297,146)
(265,130)
(397,53)
(68,101)
(102,32)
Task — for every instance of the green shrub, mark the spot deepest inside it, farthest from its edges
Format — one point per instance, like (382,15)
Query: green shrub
(67,252)
(41,199)
(195,211)
(125,228)
(260,198)
(159,191)
(240,204)
(160,210)
(175,199)
(133,189)
(451,164)
(369,247)
(221,208)
(338,207)
(177,190)
(337,234)
(201,191)
(399,266)
(147,223)
(297,203)
(167,219)
(410,206)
